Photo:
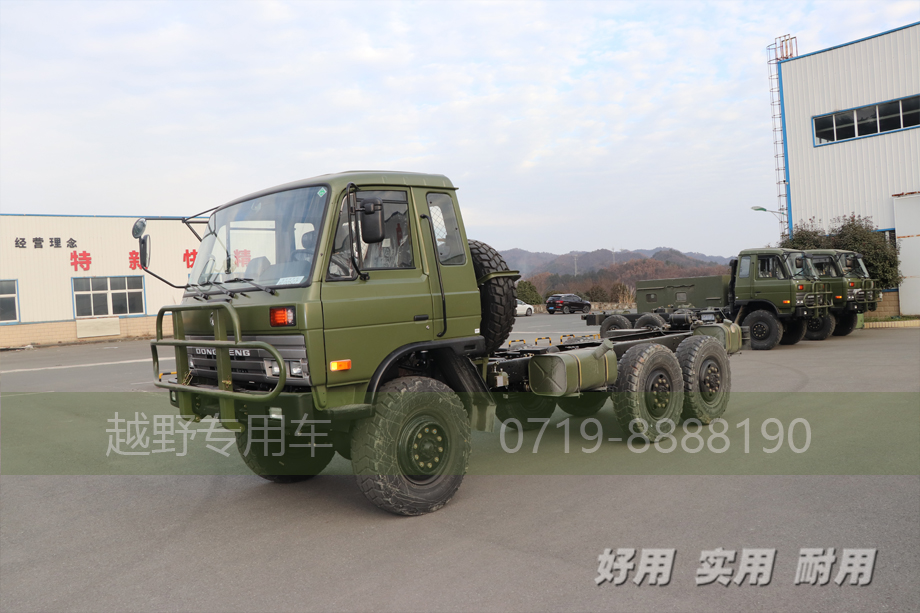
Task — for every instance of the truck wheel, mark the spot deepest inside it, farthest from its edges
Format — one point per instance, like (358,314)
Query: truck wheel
(614,322)
(650,320)
(523,406)
(410,457)
(707,377)
(793,331)
(819,328)
(295,464)
(846,323)
(497,297)
(649,387)
(766,329)
(585,405)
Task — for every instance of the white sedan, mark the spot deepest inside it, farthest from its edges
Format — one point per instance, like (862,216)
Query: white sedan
(523,309)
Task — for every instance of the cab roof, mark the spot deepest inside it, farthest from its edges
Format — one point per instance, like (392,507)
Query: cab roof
(338,181)
(770,251)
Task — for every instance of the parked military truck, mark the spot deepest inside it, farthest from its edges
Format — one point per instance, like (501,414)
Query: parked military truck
(350,314)
(774,292)
(852,292)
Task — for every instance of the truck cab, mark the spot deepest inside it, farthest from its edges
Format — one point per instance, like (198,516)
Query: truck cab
(852,290)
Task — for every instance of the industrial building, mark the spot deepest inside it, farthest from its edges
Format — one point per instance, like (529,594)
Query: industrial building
(68,278)
(849,144)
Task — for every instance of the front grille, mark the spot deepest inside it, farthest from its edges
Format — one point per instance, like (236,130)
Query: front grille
(250,364)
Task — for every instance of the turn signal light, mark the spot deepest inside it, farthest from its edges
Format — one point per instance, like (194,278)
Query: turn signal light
(801,287)
(281,316)
(839,297)
(785,302)
(340,365)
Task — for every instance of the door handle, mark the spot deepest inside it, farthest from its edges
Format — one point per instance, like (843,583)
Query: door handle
(420,318)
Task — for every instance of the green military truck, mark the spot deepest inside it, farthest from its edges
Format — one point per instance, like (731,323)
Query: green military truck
(773,292)
(349,314)
(852,292)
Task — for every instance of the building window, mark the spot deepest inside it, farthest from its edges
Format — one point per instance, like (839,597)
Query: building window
(867,120)
(98,296)
(651,297)
(9,310)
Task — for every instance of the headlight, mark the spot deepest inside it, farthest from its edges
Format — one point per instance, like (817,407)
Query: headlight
(274,368)
(191,364)
(296,369)
(800,298)
(851,294)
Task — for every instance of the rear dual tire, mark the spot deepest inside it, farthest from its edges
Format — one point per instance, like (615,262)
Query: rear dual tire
(614,322)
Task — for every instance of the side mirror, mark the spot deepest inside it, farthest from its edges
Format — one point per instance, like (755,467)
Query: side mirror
(145,251)
(370,211)
(139,226)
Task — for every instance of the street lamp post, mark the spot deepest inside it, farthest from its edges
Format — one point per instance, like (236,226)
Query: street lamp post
(780,216)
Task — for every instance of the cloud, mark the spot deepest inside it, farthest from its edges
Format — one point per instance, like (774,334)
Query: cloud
(566,125)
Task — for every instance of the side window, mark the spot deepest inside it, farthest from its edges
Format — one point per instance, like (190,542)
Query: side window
(8,302)
(681,297)
(651,297)
(393,252)
(769,267)
(744,268)
(446,230)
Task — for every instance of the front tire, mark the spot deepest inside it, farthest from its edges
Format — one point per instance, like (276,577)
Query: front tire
(819,328)
(523,406)
(294,465)
(766,329)
(707,378)
(586,405)
(649,387)
(793,331)
(411,456)
(846,323)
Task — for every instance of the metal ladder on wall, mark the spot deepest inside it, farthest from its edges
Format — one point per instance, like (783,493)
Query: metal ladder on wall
(783,48)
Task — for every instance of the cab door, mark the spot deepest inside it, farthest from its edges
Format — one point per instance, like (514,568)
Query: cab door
(365,320)
(461,293)
(771,282)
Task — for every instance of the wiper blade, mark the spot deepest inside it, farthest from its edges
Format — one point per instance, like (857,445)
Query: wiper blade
(224,289)
(256,285)
(197,294)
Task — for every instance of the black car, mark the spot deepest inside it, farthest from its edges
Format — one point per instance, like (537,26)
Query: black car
(566,303)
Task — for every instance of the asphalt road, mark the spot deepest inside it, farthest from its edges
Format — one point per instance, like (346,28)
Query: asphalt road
(523,532)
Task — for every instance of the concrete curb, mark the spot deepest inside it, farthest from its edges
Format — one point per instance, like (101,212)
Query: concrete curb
(907,323)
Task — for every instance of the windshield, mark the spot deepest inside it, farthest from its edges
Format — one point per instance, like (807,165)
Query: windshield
(826,267)
(271,240)
(800,266)
(852,265)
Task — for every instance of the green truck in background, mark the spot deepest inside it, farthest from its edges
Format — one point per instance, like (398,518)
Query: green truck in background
(349,314)
(852,292)
(772,292)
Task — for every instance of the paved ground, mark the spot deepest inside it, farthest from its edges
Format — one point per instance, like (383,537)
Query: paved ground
(528,539)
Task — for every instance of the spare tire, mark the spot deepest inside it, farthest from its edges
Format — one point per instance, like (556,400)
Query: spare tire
(497,297)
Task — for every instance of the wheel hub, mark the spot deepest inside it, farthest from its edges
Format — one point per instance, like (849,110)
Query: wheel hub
(710,380)
(760,331)
(423,448)
(658,393)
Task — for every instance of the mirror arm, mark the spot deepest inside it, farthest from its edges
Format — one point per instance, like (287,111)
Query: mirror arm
(153,274)
(352,215)
(437,265)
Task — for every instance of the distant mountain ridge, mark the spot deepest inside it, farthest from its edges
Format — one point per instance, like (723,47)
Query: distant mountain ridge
(533,263)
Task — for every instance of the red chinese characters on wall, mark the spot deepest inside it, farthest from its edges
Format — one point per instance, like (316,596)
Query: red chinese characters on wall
(81,260)
(241,257)
(134,260)
(189,258)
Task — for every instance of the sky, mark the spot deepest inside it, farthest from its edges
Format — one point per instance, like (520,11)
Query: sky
(566,125)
